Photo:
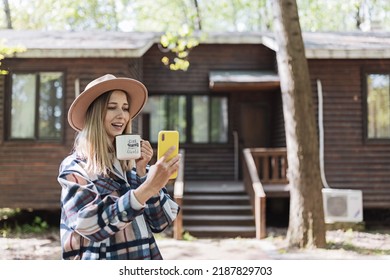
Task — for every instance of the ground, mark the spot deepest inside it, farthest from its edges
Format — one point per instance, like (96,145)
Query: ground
(342,244)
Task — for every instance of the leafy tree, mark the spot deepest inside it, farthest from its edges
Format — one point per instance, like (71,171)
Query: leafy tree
(7,13)
(181,21)
(169,15)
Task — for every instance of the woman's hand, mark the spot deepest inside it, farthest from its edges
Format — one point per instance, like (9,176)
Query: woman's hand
(158,176)
(146,156)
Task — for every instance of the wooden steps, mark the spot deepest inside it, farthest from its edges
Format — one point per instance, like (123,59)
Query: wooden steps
(216,209)
(209,163)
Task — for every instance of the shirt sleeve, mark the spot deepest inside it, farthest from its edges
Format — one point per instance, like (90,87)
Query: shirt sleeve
(134,201)
(160,210)
(86,210)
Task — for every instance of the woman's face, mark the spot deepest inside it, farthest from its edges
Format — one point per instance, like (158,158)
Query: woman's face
(117,115)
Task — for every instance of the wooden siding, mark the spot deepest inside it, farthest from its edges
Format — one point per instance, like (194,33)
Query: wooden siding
(351,162)
(204,58)
(211,163)
(278,133)
(207,161)
(29,169)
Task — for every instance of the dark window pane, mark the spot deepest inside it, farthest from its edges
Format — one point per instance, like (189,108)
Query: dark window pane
(158,120)
(167,113)
(50,105)
(200,119)
(177,116)
(219,120)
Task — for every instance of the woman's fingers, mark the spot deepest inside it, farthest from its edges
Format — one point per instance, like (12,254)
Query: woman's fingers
(165,157)
(171,165)
(146,150)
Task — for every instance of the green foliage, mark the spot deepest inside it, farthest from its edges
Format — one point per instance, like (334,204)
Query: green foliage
(9,224)
(37,226)
(179,43)
(163,15)
(179,19)
(347,246)
(188,237)
(8,51)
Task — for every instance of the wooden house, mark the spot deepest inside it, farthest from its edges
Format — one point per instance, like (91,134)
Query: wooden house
(229,99)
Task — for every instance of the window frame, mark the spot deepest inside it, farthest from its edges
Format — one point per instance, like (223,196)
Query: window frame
(365,74)
(8,108)
(189,118)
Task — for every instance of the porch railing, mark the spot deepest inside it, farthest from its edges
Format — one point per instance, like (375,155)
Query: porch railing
(271,164)
(262,165)
(178,191)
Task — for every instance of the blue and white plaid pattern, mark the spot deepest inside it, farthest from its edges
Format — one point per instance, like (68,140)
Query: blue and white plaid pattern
(98,220)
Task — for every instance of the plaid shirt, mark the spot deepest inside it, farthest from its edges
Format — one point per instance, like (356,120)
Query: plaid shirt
(99,219)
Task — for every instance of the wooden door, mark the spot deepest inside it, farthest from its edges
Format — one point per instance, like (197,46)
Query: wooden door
(254,125)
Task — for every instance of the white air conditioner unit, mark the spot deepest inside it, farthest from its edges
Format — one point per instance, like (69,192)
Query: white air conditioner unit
(342,205)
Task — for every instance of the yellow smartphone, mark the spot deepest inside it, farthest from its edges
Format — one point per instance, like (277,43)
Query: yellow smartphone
(167,139)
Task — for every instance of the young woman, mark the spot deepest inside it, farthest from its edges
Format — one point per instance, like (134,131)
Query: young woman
(111,208)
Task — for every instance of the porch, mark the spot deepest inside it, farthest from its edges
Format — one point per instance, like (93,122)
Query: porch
(232,208)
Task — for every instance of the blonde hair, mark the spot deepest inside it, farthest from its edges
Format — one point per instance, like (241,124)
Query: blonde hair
(92,143)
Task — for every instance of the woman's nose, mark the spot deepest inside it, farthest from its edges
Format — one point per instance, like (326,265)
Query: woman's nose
(121,114)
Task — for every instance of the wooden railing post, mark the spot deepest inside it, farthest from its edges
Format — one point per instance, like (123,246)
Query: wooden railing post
(262,165)
(260,219)
(178,223)
(178,192)
(256,192)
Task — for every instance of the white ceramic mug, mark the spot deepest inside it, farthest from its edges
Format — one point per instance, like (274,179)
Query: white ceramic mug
(128,146)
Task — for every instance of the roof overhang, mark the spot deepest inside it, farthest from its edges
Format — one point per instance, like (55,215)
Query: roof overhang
(66,44)
(86,44)
(243,80)
(341,45)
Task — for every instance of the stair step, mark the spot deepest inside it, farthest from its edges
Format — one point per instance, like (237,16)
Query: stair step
(217,197)
(221,231)
(217,209)
(220,217)
(218,220)
(221,228)
(216,187)
(215,200)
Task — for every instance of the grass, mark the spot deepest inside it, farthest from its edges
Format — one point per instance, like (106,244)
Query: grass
(357,249)
(344,240)
(17,222)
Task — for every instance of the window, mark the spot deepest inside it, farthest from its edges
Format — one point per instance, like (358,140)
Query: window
(378,106)
(167,112)
(210,119)
(198,118)
(36,106)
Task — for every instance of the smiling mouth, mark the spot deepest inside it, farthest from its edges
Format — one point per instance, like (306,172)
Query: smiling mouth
(118,125)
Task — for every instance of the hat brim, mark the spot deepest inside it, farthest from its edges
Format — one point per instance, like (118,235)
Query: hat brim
(134,89)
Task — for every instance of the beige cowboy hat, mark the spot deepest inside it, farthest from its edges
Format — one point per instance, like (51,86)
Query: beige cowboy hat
(136,91)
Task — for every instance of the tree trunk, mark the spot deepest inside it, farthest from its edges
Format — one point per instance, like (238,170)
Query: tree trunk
(7,12)
(198,20)
(306,223)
